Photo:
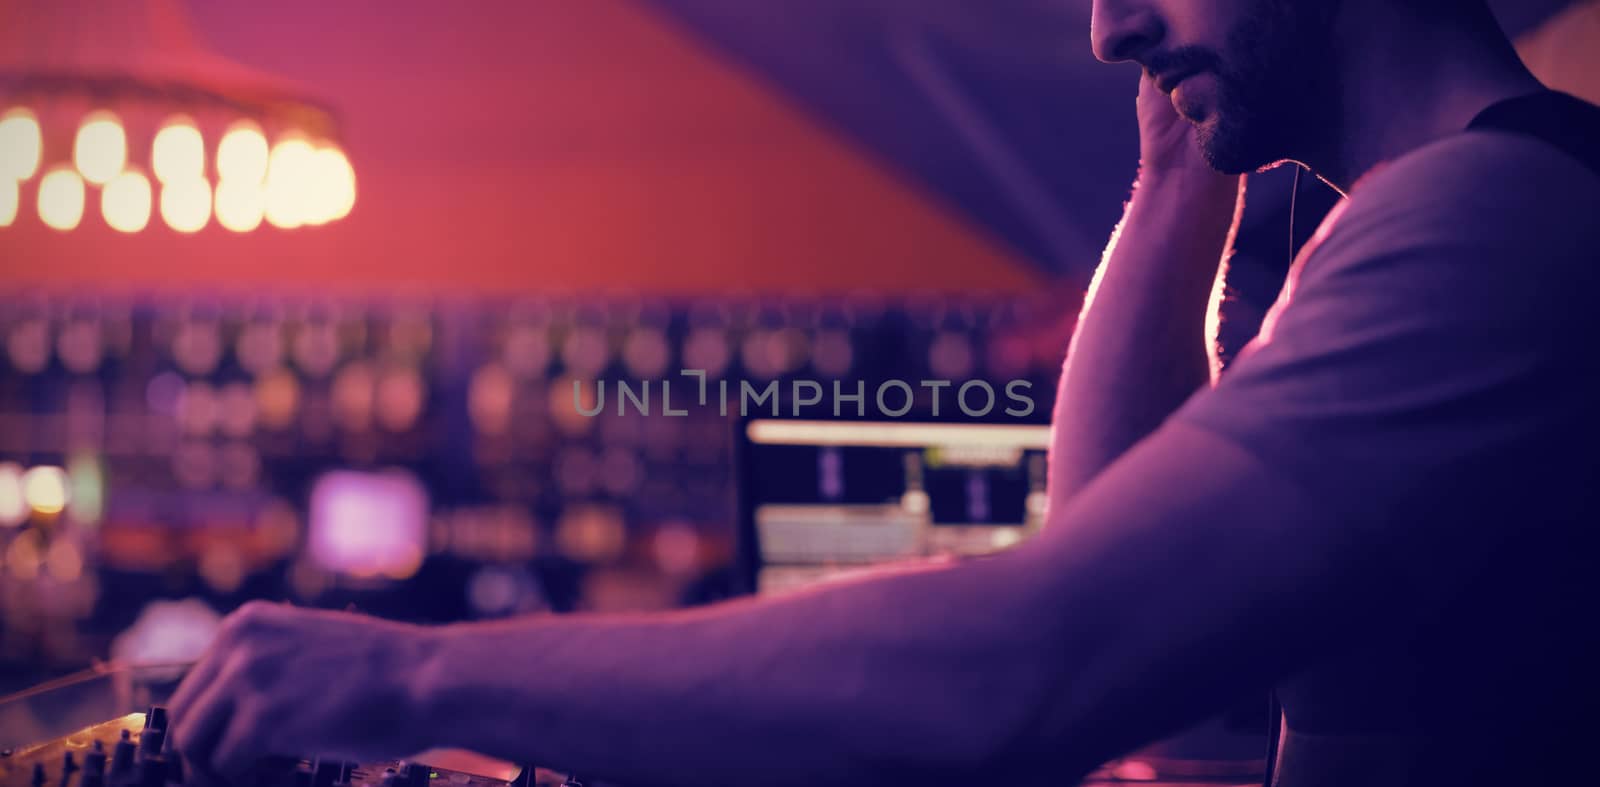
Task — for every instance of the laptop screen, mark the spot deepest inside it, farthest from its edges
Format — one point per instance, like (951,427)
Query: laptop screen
(819,498)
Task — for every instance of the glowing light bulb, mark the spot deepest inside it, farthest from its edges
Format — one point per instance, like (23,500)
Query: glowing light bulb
(178,152)
(242,154)
(290,182)
(61,199)
(101,148)
(332,191)
(10,196)
(186,204)
(125,202)
(20,144)
(45,489)
(240,204)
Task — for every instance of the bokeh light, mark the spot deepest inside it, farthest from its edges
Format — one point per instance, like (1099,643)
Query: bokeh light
(23,558)
(28,344)
(222,567)
(591,534)
(63,560)
(290,180)
(352,396)
(125,202)
(61,199)
(21,144)
(86,488)
(332,191)
(399,398)
(45,489)
(676,548)
(101,148)
(186,204)
(239,465)
(300,181)
(242,154)
(344,506)
(178,152)
(236,409)
(241,204)
(197,409)
(489,399)
(197,346)
(166,633)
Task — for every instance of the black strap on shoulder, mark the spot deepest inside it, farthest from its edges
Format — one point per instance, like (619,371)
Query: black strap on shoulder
(1565,122)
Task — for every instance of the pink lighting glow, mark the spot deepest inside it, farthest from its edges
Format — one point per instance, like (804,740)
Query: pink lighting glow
(369,524)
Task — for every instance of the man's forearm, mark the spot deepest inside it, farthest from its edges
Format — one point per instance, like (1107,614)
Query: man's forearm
(1141,346)
(926,675)
(1128,618)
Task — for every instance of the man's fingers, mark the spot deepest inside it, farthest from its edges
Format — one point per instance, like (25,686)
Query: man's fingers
(200,730)
(199,678)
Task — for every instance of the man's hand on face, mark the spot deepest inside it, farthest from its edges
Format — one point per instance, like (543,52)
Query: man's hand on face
(1166,140)
(281,682)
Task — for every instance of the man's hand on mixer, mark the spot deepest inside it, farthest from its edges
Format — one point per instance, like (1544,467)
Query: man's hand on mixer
(286,682)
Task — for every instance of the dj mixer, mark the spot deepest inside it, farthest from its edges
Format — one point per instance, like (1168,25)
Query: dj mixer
(133,751)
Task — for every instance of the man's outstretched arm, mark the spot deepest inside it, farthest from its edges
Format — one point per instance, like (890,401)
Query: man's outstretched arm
(1038,663)
(1126,622)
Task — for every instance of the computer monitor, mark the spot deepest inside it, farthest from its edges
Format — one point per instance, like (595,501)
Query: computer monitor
(817,498)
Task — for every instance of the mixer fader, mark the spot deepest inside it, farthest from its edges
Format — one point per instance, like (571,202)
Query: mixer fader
(132,751)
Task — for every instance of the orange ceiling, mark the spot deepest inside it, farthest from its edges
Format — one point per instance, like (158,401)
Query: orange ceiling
(542,146)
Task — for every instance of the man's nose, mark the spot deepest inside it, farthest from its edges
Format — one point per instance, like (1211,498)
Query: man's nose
(1124,29)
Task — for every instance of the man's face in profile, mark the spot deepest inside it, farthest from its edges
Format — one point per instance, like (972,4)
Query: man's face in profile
(1255,77)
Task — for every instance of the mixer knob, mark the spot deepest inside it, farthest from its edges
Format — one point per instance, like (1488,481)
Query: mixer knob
(151,740)
(68,766)
(122,758)
(413,775)
(94,766)
(155,718)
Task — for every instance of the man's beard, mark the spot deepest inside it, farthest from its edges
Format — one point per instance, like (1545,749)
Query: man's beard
(1277,82)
